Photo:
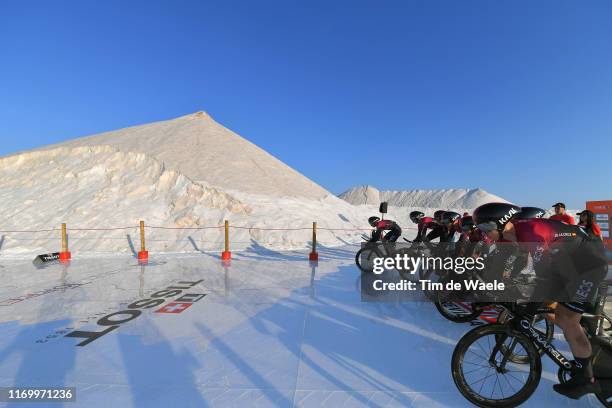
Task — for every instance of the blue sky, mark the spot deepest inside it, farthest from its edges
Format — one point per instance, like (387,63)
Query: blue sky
(513,97)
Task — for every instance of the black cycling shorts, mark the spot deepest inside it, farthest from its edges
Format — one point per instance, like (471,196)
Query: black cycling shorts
(575,276)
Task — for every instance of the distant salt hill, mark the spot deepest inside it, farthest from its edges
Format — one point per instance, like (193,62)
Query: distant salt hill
(455,198)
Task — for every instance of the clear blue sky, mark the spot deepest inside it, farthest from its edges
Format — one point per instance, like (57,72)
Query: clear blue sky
(511,96)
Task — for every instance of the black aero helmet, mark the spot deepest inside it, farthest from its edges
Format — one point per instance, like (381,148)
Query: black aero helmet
(415,216)
(492,216)
(467,222)
(373,220)
(449,217)
(530,212)
(438,215)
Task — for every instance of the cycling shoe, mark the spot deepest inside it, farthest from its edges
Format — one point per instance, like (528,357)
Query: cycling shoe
(576,387)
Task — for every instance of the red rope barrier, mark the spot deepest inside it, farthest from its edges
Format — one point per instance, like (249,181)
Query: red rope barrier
(271,229)
(28,232)
(344,229)
(183,228)
(103,229)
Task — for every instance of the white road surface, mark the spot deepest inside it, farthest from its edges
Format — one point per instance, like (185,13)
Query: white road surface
(271,331)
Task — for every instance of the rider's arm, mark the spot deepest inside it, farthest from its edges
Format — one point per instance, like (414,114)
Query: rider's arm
(376,235)
(420,232)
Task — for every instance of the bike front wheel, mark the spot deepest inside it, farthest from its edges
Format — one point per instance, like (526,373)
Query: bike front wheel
(365,259)
(485,375)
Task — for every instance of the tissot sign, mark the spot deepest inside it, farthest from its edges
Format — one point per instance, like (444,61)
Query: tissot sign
(114,320)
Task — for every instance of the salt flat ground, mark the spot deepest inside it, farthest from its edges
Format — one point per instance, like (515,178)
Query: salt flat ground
(272,330)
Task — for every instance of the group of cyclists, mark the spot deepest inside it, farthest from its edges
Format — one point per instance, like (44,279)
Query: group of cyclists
(569,260)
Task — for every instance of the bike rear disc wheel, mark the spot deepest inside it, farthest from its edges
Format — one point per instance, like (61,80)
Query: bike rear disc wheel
(480,382)
(455,310)
(458,312)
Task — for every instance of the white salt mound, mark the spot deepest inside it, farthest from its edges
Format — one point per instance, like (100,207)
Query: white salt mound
(186,172)
(205,151)
(438,199)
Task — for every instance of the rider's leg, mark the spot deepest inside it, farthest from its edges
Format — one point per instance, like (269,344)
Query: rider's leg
(569,322)
(551,316)
(567,316)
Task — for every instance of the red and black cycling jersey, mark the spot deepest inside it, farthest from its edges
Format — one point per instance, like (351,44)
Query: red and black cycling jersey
(547,240)
(547,232)
(476,235)
(425,223)
(569,262)
(472,242)
(386,225)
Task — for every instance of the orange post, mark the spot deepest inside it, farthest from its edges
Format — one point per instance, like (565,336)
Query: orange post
(314,256)
(226,255)
(65,255)
(143,255)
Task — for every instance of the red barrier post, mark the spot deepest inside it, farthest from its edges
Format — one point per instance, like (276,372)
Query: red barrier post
(314,256)
(143,255)
(226,255)
(65,254)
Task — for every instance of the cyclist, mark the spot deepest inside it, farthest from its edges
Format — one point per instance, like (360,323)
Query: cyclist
(521,261)
(471,241)
(424,223)
(450,220)
(572,264)
(438,215)
(437,229)
(384,225)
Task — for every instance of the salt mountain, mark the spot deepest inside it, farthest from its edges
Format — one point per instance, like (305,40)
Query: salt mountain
(186,172)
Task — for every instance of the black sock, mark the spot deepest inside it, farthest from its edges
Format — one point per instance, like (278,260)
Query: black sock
(584,367)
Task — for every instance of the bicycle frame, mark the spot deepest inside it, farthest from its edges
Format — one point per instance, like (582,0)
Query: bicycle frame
(525,327)
(540,342)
